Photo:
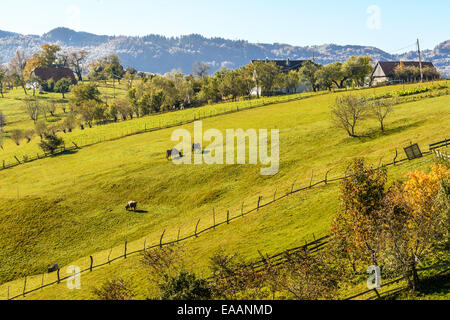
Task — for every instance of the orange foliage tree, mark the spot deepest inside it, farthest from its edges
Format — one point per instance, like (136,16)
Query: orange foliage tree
(416,220)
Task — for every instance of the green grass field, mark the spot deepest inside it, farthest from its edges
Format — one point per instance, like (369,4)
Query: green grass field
(13,108)
(64,208)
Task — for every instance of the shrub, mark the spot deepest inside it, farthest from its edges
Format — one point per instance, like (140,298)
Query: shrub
(50,143)
(29,134)
(184,286)
(17,136)
(116,289)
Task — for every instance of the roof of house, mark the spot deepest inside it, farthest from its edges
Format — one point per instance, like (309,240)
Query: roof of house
(388,67)
(55,73)
(285,65)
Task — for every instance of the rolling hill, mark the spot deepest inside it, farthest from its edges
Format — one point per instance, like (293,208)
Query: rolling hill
(68,207)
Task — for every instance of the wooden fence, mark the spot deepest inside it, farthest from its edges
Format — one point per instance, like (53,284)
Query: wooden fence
(442,155)
(375,294)
(259,205)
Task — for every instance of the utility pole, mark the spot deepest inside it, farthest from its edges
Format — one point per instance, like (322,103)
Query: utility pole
(420,61)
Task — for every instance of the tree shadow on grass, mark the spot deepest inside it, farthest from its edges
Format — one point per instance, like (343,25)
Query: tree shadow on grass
(438,284)
(376,133)
(63,153)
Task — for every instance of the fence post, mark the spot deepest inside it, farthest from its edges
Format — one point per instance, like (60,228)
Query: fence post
(57,274)
(275,194)
(259,201)
(380,163)
(228,216)
(160,239)
(178,236)
(214,219)
(346,170)
(242,209)
(396,154)
(92,262)
(42,281)
(292,187)
(312,176)
(378,294)
(25,286)
(125,250)
(196,226)
(145,244)
(326,176)
(110,251)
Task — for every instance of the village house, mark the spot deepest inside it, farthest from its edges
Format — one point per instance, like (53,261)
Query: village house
(384,71)
(55,73)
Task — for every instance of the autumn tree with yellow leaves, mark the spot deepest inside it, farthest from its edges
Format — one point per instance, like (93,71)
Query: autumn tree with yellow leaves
(397,228)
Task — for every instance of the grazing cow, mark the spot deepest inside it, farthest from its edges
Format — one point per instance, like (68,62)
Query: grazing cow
(173,152)
(53,268)
(131,205)
(196,146)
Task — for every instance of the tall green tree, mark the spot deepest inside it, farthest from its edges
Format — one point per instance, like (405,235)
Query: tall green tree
(308,73)
(265,75)
(358,69)
(63,86)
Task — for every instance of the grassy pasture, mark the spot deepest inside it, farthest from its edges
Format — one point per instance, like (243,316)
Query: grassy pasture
(13,107)
(59,209)
(285,224)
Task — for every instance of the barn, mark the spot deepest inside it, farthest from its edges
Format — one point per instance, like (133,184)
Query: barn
(384,70)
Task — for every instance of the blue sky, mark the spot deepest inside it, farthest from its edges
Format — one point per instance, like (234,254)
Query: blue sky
(389,25)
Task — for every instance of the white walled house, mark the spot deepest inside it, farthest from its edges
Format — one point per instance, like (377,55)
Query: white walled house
(384,70)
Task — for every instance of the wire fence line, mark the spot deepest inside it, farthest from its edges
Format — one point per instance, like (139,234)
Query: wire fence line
(197,232)
(202,114)
(386,294)
(146,127)
(319,244)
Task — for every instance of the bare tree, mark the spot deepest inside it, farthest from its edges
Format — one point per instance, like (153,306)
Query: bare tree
(17,66)
(200,69)
(17,136)
(3,77)
(29,134)
(115,289)
(75,60)
(380,109)
(34,109)
(41,128)
(51,108)
(348,111)
(2,121)
(2,140)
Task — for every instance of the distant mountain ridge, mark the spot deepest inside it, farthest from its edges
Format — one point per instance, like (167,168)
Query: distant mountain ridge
(159,54)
